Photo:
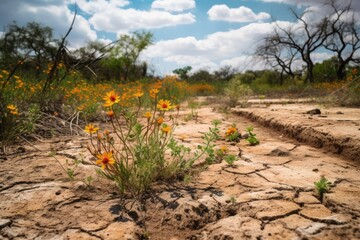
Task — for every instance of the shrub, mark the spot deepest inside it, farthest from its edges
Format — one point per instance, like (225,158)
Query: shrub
(237,91)
(140,149)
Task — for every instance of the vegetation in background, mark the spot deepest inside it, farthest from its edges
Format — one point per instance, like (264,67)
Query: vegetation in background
(237,92)
(183,73)
(123,57)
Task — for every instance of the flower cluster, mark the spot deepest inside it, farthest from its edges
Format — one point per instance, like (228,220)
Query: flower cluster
(135,146)
(13,109)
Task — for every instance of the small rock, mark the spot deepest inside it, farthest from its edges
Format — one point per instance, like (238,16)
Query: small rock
(339,112)
(21,149)
(312,229)
(244,135)
(58,192)
(4,223)
(279,152)
(314,111)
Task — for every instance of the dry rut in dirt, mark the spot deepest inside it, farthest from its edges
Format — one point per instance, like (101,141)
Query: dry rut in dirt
(267,194)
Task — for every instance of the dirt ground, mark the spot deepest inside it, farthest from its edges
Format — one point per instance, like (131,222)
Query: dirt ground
(268,194)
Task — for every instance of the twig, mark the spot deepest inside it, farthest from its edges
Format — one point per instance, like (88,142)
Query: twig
(31,144)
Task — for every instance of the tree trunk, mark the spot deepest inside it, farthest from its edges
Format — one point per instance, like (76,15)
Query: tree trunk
(340,71)
(310,73)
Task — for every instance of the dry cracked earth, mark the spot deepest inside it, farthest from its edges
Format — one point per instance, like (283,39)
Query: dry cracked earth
(268,193)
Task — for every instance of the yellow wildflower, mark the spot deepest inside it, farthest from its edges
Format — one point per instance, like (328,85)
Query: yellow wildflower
(13,109)
(90,128)
(105,159)
(164,105)
(138,94)
(166,129)
(148,115)
(111,98)
(154,92)
(223,149)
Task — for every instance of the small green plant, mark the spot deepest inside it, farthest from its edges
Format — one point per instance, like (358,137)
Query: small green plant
(187,179)
(69,169)
(232,134)
(252,137)
(191,116)
(322,186)
(88,180)
(221,153)
(232,200)
(208,145)
(15,123)
(230,159)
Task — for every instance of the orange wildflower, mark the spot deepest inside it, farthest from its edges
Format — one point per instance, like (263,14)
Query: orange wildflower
(13,109)
(90,128)
(110,114)
(105,159)
(166,129)
(223,149)
(160,120)
(138,94)
(230,131)
(154,92)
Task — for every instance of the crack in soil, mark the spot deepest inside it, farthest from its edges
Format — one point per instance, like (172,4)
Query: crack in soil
(326,221)
(248,173)
(18,183)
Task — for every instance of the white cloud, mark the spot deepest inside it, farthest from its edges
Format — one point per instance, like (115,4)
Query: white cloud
(122,20)
(213,49)
(99,5)
(320,57)
(54,14)
(243,63)
(173,5)
(300,3)
(241,14)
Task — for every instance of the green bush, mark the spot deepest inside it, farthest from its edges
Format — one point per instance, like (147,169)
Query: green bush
(237,91)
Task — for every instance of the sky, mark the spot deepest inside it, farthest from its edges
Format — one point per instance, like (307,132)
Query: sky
(205,34)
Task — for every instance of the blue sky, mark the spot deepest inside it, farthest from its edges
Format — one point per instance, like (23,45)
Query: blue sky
(205,34)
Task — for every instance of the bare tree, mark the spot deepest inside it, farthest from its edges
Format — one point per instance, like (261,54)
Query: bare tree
(277,56)
(336,31)
(305,38)
(345,38)
(225,73)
